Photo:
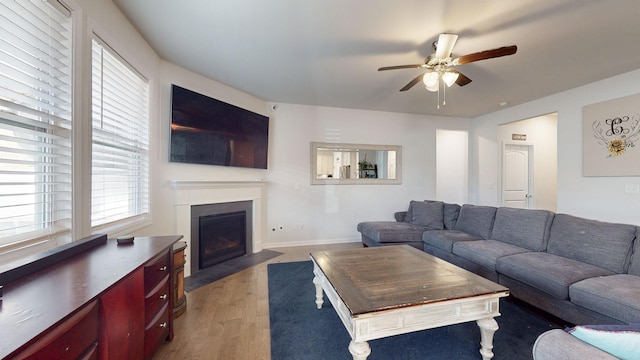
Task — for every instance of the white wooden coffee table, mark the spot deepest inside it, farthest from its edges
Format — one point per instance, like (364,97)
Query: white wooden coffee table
(385,291)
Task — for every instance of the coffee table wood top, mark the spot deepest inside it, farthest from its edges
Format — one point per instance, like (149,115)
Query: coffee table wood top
(381,278)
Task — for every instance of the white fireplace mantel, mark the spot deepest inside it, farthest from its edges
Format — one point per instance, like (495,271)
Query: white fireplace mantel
(199,192)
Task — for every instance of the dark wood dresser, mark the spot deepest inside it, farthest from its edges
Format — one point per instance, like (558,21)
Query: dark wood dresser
(109,302)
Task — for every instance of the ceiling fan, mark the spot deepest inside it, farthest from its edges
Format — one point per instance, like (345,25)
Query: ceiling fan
(440,65)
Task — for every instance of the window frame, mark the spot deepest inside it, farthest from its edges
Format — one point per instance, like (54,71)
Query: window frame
(84,28)
(136,222)
(28,122)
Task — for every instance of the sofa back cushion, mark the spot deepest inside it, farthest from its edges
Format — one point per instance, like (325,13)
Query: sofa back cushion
(634,267)
(451,212)
(598,243)
(427,213)
(525,228)
(409,215)
(476,220)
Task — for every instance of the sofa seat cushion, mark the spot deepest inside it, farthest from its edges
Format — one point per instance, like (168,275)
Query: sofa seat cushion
(526,228)
(485,252)
(549,273)
(617,296)
(391,231)
(598,243)
(444,239)
(476,220)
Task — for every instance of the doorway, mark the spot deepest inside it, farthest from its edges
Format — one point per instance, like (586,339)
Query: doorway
(517,183)
(540,171)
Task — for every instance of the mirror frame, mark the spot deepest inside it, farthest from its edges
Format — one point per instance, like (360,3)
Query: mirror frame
(367,181)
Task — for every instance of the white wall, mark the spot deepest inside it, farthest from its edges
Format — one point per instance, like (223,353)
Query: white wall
(307,214)
(329,213)
(601,198)
(452,166)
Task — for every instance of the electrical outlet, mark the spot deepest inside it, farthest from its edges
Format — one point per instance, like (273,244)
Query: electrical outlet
(632,188)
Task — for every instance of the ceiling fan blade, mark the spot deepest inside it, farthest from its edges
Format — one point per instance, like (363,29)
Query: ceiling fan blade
(487,54)
(411,83)
(445,45)
(462,80)
(413,66)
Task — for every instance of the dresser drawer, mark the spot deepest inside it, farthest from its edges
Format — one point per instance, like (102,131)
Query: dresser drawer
(155,271)
(157,332)
(72,339)
(156,299)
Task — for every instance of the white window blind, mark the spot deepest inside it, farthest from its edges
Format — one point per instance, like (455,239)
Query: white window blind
(35,121)
(120,159)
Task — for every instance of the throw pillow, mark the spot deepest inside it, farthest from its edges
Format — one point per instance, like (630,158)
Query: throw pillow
(429,214)
(622,341)
(409,216)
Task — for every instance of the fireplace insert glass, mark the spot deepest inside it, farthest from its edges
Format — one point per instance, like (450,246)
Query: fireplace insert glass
(221,237)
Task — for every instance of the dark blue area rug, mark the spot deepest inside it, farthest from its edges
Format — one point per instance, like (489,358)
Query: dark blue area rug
(300,331)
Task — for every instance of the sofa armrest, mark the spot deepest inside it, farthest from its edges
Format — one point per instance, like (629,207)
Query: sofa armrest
(400,216)
(558,344)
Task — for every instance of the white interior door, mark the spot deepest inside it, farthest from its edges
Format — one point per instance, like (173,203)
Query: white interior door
(516,185)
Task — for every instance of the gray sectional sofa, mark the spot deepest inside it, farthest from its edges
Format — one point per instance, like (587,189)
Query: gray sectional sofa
(580,270)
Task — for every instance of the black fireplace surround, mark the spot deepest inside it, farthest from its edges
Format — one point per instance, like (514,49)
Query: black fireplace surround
(220,232)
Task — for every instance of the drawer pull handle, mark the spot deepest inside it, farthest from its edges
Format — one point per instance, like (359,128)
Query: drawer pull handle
(164,296)
(163,325)
(164,268)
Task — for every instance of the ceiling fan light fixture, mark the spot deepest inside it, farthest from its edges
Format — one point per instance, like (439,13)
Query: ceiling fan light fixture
(434,87)
(449,77)
(430,79)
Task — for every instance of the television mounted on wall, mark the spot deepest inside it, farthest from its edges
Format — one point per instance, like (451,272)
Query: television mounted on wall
(208,131)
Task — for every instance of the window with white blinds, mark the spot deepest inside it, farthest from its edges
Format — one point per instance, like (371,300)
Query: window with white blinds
(120,144)
(35,122)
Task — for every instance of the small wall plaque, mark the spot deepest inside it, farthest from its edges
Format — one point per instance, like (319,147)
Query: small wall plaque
(521,137)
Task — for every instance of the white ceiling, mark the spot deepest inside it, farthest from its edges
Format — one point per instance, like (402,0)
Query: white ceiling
(327,52)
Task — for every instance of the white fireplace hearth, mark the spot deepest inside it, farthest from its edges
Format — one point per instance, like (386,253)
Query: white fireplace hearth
(199,192)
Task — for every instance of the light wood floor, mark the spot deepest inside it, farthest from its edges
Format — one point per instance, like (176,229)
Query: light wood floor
(229,319)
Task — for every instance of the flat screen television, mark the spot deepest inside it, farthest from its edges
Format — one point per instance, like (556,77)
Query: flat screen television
(209,131)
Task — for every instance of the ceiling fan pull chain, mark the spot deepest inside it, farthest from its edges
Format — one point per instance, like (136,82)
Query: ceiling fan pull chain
(444,94)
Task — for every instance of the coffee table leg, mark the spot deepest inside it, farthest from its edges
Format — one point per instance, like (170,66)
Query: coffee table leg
(487,328)
(359,350)
(319,300)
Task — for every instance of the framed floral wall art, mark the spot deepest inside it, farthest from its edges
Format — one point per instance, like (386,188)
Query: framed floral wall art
(611,137)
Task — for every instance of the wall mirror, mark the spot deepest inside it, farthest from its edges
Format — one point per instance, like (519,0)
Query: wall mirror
(339,164)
